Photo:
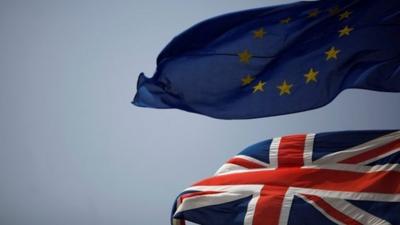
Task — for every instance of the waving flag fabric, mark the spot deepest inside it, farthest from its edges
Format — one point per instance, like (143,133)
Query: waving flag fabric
(277,60)
(350,178)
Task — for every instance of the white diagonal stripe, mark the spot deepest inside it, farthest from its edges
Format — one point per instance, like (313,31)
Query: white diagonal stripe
(230,193)
(207,200)
(250,188)
(345,154)
(354,212)
(380,156)
(251,159)
(358,168)
(229,167)
(321,210)
(367,196)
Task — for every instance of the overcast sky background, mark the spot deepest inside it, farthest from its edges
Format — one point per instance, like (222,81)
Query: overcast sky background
(73,150)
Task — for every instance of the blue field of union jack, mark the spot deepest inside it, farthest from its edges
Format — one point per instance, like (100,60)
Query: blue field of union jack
(349,177)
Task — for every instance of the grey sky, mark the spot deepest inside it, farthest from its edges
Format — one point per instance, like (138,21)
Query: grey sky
(73,150)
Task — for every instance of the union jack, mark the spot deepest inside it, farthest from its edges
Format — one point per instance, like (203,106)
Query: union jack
(348,177)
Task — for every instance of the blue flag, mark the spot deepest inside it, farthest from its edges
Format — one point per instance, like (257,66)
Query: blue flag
(277,60)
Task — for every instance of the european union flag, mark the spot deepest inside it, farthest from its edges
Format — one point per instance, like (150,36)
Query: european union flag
(277,60)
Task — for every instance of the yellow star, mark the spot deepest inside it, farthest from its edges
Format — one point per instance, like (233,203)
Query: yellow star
(345,31)
(247,80)
(334,10)
(313,13)
(346,14)
(285,88)
(259,87)
(286,21)
(311,75)
(245,56)
(260,33)
(332,53)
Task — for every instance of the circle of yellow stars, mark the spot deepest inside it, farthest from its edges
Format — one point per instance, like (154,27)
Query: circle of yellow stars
(311,76)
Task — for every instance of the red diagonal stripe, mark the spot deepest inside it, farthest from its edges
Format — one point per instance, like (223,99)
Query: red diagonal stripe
(245,163)
(372,153)
(331,211)
(291,150)
(193,194)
